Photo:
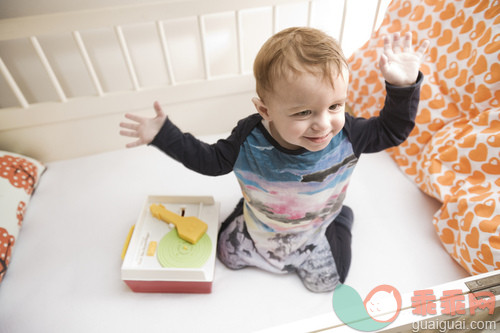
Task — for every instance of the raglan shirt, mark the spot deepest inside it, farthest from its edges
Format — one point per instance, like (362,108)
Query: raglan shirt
(291,196)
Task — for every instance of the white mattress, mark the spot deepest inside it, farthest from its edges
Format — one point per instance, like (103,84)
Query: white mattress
(65,272)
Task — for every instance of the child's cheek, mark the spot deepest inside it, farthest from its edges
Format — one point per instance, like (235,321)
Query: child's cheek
(339,122)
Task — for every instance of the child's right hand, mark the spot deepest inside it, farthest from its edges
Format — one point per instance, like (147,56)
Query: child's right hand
(144,129)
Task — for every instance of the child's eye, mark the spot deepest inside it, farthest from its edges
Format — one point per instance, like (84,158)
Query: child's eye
(304,113)
(336,107)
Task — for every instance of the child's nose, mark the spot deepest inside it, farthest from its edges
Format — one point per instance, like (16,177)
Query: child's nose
(321,121)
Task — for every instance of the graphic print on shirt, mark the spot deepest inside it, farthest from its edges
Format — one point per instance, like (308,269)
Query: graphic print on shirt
(292,194)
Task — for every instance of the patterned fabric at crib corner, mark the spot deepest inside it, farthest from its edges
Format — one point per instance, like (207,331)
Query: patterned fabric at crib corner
(453,154)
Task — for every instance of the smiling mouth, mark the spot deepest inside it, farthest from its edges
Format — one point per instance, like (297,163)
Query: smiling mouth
(318,139)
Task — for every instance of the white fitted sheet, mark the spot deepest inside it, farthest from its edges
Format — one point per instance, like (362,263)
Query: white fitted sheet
(65,271)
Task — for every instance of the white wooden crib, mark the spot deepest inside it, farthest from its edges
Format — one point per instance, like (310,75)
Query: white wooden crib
(84,69)
(67,80)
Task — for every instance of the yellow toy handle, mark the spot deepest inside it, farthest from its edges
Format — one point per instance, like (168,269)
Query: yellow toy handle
(190,228)
(159,212)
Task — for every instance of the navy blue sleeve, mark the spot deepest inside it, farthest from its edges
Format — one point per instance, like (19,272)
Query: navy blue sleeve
(393,125)
(208,159)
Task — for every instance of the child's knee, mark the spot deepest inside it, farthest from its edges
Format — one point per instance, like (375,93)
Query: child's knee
(235,248)
(229,259)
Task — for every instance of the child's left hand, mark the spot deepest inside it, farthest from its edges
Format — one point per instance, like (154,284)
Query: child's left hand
(399,64)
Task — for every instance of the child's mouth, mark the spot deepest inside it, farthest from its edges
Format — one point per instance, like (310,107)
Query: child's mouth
(319,139)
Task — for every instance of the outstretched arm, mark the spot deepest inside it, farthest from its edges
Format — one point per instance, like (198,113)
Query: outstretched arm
(142,128)
(208,159)
(399,64)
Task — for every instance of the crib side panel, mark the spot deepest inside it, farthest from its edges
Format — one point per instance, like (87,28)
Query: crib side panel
(68,78)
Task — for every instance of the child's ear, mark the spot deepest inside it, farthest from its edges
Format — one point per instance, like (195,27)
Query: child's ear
(261,108)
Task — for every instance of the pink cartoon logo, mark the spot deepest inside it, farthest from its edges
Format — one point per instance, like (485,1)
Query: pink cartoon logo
(383,303)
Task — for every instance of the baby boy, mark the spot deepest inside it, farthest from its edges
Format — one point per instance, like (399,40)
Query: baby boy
(293,158)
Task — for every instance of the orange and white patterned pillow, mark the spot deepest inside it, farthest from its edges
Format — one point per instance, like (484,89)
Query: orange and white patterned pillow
(453,154)
(19,176)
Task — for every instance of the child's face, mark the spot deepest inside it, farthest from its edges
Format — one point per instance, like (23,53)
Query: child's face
(305,112)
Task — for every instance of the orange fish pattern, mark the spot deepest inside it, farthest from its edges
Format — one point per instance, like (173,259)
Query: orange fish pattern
(453,153)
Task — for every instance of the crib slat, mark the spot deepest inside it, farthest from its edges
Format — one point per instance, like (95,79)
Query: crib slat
(127,57)
(241,59)
(166,54)
(275,19)
(344,15)
(309,13)
(374,26)
(125,14)
(201,27)
(13,85)
(88,63)
(48,68)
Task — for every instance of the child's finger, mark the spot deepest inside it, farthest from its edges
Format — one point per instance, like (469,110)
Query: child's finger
(387,45)
(422,48)
(132,134)
(407,42)
(396,42)
(129,126)
(158,109)
(134,144)
(383,61)
(133,117)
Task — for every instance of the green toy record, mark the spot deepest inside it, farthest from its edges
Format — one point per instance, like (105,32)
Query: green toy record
(174,252)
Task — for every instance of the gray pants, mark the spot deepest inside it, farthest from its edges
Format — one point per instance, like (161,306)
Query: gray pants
(314,264)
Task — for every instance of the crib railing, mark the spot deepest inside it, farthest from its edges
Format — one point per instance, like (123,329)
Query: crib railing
(68,66)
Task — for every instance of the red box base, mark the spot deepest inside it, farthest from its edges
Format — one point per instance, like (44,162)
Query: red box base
(182,287)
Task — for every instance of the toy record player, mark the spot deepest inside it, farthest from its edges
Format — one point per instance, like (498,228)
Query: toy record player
(172,247)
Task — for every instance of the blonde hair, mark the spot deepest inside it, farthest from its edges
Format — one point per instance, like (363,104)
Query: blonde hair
(294,51)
